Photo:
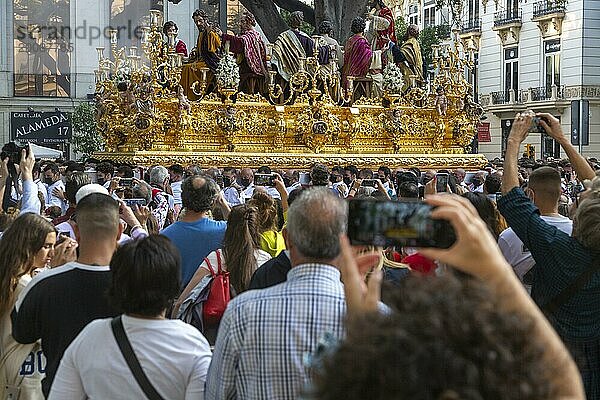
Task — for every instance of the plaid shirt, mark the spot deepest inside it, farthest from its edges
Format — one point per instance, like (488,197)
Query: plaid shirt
(560,259)
(265,335)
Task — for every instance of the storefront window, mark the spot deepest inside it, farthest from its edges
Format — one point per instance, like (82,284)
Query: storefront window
(42,48)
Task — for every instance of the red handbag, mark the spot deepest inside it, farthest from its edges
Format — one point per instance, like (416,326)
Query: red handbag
(219,294)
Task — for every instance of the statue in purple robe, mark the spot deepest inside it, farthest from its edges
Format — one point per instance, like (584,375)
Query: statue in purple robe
(357,53)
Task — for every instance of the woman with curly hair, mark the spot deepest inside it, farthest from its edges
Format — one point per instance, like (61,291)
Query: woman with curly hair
(475,335)
(27,244)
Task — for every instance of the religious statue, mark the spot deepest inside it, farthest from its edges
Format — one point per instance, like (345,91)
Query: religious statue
(170,28)
(382,23)
(360,60)
(206,54)
(290,47)
(409,59)
(330,57)
(251,55)
(357,53)
(441,101)
(329,48)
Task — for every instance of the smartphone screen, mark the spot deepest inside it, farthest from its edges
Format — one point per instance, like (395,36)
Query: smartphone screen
(263,179)
(304,178)
(135,202)
(369,183)
(397,223)
(441,184)
(126,182)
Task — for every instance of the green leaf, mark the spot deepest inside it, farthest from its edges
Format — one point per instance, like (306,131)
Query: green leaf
(86,139)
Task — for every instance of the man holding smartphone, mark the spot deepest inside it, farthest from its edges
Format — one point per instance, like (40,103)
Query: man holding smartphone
(566,282)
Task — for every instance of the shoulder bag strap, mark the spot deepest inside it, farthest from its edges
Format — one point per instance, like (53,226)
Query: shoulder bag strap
(568,292)
(219,265)
(210,267)
(132,361)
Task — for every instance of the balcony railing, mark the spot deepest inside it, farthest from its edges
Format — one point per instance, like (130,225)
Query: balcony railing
(544,93)
(499,97)
(547,7)
(473,25)
(504,97)
(506,17)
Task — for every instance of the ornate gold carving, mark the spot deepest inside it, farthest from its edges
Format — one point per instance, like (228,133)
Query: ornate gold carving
(145,118)
(302,160)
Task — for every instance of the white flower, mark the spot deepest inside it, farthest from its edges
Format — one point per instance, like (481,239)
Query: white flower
(228,73)
(392,79)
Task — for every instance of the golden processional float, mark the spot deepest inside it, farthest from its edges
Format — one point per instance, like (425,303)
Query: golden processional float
(145,118)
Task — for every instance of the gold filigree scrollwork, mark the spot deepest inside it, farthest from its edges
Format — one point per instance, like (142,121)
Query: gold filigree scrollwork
(143,107)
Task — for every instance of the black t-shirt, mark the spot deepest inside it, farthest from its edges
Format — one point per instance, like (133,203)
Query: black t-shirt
(57,305)
(271,273)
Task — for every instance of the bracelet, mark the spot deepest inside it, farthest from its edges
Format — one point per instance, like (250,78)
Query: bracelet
(136,227)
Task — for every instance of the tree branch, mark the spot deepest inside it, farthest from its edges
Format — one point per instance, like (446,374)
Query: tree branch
(297,5)
(267,16)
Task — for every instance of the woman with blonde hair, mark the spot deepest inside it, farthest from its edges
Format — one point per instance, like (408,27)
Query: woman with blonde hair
(27,245)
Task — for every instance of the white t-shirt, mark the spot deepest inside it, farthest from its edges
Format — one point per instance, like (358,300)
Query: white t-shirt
(232,196)
(52,200)
(174,356)
(515,252)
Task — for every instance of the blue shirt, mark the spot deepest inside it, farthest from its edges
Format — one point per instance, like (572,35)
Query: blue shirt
(265,335)
(195,240)
(560,259)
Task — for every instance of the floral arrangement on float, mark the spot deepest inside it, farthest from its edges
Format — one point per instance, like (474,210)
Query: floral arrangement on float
(228,73)
(392,79)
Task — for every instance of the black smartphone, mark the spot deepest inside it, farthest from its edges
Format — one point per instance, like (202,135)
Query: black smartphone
(397,223)
(126,182)
(441,184)
(135,202)
(536,127)
(369,183)
(264,179)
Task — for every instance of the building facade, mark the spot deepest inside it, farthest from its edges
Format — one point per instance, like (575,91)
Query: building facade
(48,49)
(542,56)
(531,55)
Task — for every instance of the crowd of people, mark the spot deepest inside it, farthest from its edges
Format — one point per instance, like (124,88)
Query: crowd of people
(363,56)
(187,282)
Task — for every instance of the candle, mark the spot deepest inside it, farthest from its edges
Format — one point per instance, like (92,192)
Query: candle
(100,51)
(171,40)
(154,17)
(145,34)
(113,36)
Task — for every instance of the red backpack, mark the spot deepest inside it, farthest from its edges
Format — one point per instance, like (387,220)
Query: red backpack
(219,295)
